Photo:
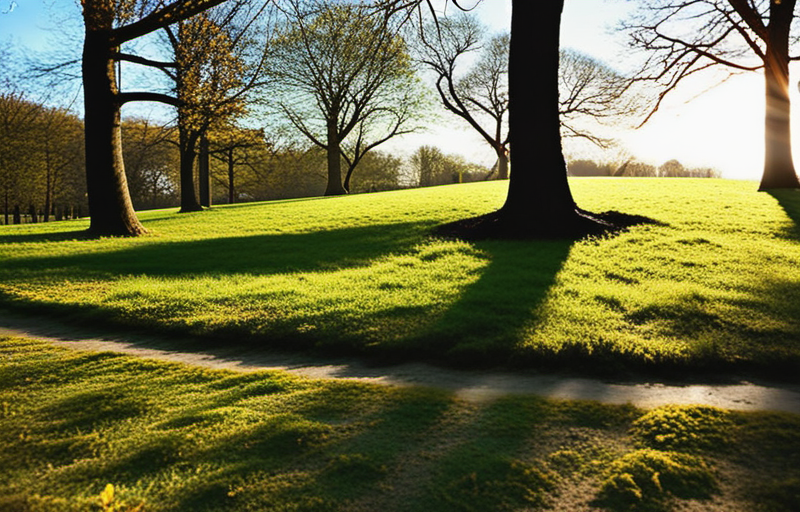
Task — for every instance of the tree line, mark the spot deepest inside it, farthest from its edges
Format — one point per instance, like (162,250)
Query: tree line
(42,167)
(633,168)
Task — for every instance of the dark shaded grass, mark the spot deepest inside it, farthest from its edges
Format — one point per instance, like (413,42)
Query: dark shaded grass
(170,437)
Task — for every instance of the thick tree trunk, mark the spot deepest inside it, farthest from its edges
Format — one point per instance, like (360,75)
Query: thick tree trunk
(110,206)
(539,202)
(188,142)
(539,197)
(779,171)
(538,191)
(334,187)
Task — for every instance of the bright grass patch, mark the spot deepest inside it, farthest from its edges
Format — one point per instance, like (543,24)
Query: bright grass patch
(715,284)
(84,431)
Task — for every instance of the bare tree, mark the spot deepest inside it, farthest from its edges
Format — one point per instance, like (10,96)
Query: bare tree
(343,78)
(684,37)
(539,201)
(590,91)
(481,96)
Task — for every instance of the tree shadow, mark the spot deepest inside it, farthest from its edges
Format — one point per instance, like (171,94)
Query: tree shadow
(56,236)
(789,200)
(486,322)
(258,254)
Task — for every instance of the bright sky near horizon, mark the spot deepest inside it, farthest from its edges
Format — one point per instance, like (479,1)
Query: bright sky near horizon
(721,128)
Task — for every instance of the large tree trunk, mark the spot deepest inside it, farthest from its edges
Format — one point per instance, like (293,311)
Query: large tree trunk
(110,206)
(539,202)
(334,187)
(779,171)
(538,191)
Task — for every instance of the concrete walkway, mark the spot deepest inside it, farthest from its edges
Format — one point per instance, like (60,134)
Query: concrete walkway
(469,385)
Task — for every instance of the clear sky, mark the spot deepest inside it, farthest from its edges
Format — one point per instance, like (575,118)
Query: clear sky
(721,128)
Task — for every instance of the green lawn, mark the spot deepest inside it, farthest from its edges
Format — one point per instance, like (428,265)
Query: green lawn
(714,285)
(169,437)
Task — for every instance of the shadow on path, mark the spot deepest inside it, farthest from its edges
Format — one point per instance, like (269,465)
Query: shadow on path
(473,386)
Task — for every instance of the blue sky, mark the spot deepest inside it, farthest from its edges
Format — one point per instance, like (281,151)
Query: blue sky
(722,128)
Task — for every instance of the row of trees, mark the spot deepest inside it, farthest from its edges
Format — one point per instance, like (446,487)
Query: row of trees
(41,161)
(42,168)
(536,122)
(633,168)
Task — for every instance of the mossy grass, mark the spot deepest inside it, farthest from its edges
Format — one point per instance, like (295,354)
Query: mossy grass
(86,431)
(714,284)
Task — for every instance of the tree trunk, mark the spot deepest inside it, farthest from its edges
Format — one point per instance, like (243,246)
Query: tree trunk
(231,183)
(502,163)
(188,142)
(779,171)
(110,206)
(539,202)
(538,191)
(350,169)
(203,173)
(334,187)
(48,190)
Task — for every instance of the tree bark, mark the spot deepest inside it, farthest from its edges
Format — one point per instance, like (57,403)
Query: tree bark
(779,170)
(502,163)
(110,206)
(231,177)
(203,173)
(188,142)
(538,191)
(539,203)
(333,149)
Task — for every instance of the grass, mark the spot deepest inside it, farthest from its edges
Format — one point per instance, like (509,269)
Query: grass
(86,431)
(714,285)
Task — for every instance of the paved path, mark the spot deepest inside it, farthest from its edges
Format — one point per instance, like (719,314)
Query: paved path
(470,385)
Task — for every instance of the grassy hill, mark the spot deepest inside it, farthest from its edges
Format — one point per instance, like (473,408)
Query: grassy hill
(715,284)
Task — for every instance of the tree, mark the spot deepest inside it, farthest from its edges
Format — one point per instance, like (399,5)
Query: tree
(233,147)
(539,201)
(688,36)
(211,78)
(588,90)
(151,162)
(591,91)
(343,78)
(482,94)
(18,118)
(41,156)
(108,24)
(378,171)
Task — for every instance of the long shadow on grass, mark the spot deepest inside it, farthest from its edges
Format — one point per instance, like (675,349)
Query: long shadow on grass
(486,323)
(790,202)
(260,254)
